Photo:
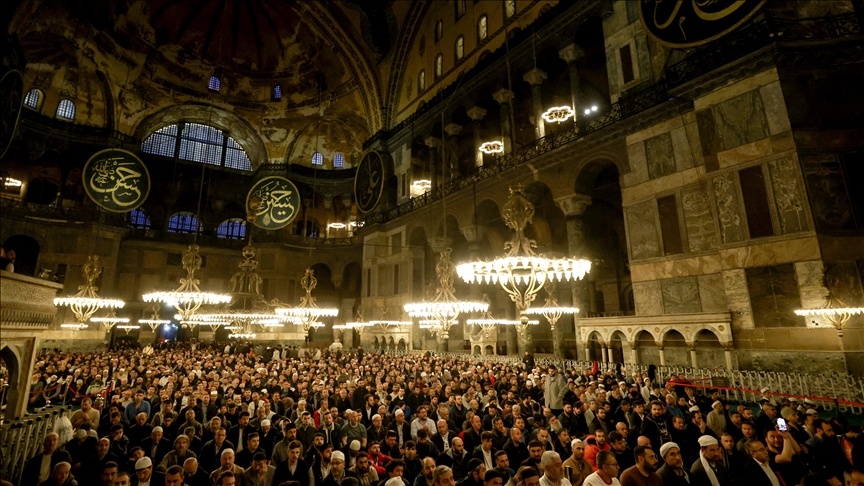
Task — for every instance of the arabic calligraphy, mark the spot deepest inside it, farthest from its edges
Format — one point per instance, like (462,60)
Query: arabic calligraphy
(368,184)
(116,180)
(687,23)
(272,203)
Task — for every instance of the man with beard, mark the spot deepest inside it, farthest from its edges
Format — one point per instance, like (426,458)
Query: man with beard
(367,475)
(553,470)
(673,472)
(579,467)
(293,468)
(227,466)
(708,470)
(515,449)
(656,426)
(456,458)
(425,478)
(179,455)
(156,446)
(40,467)
(644,472)
(623,453)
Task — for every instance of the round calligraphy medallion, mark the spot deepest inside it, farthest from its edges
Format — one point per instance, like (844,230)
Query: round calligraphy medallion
(369,181)
(116,180)
(690,23)
(11,96)
(272,203)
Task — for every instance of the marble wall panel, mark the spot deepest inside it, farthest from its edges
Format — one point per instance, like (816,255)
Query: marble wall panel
(774,296)
(845,281)
(648,298)
(788,195)
(660,155)
(737,298)
(681,149)
(638,164)
(741,120)
(681,295)
(642,230)
(728,207)
(775,108)
(712,293)
(707,132)
(698,220)
(829,198)
(813,294)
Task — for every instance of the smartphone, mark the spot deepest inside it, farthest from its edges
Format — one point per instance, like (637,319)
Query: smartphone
(781,425)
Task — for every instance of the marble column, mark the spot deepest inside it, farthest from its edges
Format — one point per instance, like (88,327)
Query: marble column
(605,353)
(475,113)
(727,352)
(451,152)
(574,206)
(662,356)
(693,361)
(535,78)
(434,144)
(505,97)
(571,54)
(587,354)
(634,354)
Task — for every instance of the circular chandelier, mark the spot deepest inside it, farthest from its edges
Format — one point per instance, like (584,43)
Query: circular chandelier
(558,114)
(521,272)
(110,320)
(154,321)
(551,310)
(74,326)
(493,147)
(188,297)
(307,313)
(835,310)
(445,308)
(422,185)
(384,324)
(129,327)
(337,226)
(86,302)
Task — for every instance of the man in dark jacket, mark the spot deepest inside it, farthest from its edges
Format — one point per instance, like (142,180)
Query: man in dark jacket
(156,446)
(39,468)
(456,458)
(212,451)
(709,463)
(294,469)
(673,472)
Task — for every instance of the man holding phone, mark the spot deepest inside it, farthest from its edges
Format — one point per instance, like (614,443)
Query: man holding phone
(784,453)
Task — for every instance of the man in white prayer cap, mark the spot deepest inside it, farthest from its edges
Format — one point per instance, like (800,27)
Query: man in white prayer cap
(708,470)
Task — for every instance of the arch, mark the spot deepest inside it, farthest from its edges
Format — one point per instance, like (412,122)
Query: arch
(617,349)
(476,349)
(184,222)
(675,347)
(238,128)
(326,289)
(439,65)
(590,170)
(65,110)
(34,98)
(352,275)
(490,350)
(13,366)
(138,219)
(671,335)
(232,229)
(26,251)
(376,343)
(401,346)
(709,350)
(549,226)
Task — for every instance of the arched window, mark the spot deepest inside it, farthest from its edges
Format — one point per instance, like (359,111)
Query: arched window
(66,110)
(439,65)
(439,30)
(215,84)
(461,8)
(232,229)
(33,99)
(183,222)
(317,159)
(138,219)
(197,143)
(460,47)
(277,93)
(482,28)
(338,161)
(421,81)
(509,8)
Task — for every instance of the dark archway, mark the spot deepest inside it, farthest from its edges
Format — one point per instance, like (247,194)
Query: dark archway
(26,253)
(41,191)
(13,367)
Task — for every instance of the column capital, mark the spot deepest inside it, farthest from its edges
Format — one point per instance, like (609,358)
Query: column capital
(476,113)
(432,142)
(573,204)
(571,53)
(473,232)
(503,95)
(453,129)
(535,77)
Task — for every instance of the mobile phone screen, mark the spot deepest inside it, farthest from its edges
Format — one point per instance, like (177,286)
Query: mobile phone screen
(781,425)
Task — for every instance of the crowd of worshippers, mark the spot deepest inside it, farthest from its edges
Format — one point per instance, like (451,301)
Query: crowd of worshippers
(280,417)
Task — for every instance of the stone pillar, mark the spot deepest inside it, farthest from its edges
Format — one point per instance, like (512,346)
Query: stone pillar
(605,352)
(504,97)
(328,211)
(573,207)
(570,54)
(434,143)
(475,113)
(634,354)
(692,347)
(451,152)
(662,356)
(587,353)
(535,78)
(727,351)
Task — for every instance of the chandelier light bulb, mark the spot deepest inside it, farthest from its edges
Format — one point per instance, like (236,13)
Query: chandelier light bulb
(558,114)
(493,147)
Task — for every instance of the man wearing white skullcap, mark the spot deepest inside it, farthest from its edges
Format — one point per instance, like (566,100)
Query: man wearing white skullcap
(709,469)
(579,467)
(717,418)
(673,472)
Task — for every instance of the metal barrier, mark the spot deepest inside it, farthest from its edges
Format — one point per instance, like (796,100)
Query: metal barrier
(831,391)
(21,439)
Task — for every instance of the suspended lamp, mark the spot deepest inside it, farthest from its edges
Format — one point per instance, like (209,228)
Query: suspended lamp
(558,114)
(307,313)
(188,297)
(493,147)
(86,302)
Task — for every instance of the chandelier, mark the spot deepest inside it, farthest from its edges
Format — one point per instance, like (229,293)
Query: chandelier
(551,310)
(521,272)
(422,185)
(558,114)
(384,325)
(86,302)
(188,297)
(110,320)
(493,147)
(247,335)
(445,308)
(154,321)
(486,322)
(835,310)
(128,327)
(74,327)
(307,313)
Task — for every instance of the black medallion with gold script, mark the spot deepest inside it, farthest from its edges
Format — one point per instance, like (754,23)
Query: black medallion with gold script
(369,181)
(116,180)
(689,23)
(11,96)
(272,203)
